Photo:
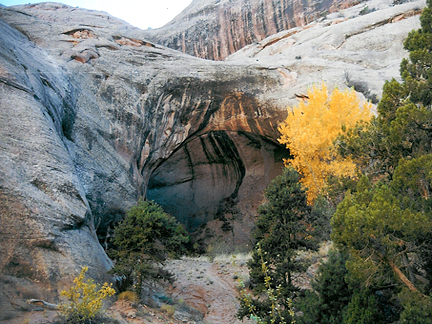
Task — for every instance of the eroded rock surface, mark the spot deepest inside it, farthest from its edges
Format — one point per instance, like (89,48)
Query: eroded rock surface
(214,29)
(94,115)
(88,111)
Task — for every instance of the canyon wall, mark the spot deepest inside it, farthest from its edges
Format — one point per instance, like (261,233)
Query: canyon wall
(88,112)
(214,29)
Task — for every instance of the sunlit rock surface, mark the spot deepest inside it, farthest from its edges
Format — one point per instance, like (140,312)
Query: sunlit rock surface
(214,29)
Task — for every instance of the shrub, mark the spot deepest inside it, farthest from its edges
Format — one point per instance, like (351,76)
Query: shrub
(331,293)
(85,300)
(366,11)
(142,242)
(169,309)
(417,307)
(129,296)
(273,309)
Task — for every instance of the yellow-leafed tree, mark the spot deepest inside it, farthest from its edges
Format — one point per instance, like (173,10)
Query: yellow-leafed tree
(311,129)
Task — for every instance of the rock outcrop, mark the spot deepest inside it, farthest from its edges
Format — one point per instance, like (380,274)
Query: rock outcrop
(89,110)
(93,116)
(214,29)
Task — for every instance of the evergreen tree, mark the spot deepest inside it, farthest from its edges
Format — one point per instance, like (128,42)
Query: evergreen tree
(364,309)
(281,230)
(403,127)
(416,72)
(383,237)
(143,241)
(417,308)
(386,227)
(331,293)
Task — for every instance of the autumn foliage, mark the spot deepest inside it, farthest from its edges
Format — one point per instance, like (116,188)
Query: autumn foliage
(311,129)
(85,300)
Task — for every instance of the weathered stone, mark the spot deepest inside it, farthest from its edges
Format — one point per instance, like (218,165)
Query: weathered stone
(47,231)
(345,48)
(82,134)
(208,176)
(214,29)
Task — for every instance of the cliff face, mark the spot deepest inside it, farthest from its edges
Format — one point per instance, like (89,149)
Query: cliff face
(89,111)
(214,29)
(93,115)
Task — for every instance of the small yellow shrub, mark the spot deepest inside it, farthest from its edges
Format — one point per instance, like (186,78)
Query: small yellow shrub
(169,309)
(85,299)
(129,296)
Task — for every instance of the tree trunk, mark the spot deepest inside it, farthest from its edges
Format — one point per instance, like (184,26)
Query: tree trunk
(409,269)
(402,277)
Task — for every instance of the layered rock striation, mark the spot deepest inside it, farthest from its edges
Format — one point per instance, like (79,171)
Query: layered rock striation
(93,115)
(214,29)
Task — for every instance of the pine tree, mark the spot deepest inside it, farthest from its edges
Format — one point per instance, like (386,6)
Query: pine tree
(281,230)
(143,241)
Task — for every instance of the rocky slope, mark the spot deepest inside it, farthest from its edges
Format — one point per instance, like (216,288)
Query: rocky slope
(93,115)
(214,29)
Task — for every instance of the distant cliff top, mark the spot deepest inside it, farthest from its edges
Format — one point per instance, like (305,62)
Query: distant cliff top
(214,29)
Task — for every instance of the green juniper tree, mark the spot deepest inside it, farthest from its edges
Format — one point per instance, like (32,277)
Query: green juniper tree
(364,308)
(416,72)
(281,230)
(387,236)
(380,235)
(386,227)
(331,293)
(143,241)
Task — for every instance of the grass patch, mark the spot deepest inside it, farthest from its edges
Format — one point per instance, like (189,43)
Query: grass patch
(129,296)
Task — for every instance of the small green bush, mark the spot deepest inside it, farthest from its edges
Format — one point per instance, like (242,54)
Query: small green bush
(366,10)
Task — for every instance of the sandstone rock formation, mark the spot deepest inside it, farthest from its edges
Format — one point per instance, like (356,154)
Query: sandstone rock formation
(88,111)
(93,115)
(214,29)
(360,51)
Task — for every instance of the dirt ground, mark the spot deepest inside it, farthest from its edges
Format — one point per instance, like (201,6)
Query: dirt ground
(210,287)
(204,292)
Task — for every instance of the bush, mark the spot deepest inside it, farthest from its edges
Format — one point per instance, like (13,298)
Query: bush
(168,309)
(366,11)
(417,307)
(331,293)
(129,296)
(142,242)
(85,300)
